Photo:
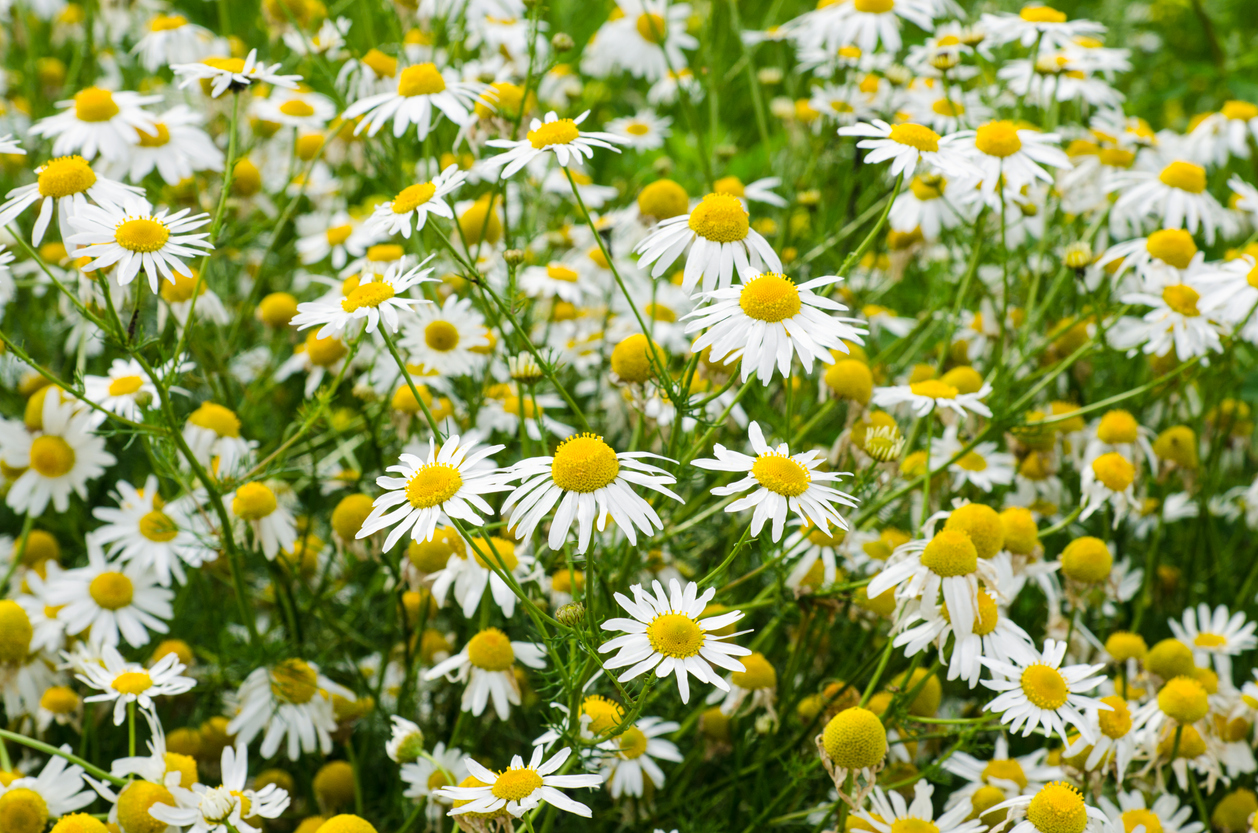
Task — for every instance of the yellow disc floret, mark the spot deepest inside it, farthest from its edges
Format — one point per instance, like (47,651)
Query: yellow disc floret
(916,136)
(720,218)
(1087,560)
(559,132)
(516,784)
(111,590)
(1058,808)
(1184,700)
(769,297)
(855,739)
(998,138)
(982,524)
(254,501)
(421,79)
(675,635)
(1044,686)
(133,807)
(950,553)
(490,650)
(1185,176)
(781,475)
(65,176)
(584,463)
(432,485)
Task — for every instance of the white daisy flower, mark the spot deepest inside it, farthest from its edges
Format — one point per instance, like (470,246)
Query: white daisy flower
(1218,635)
(426,776)
(992,635)
(290,701)
(590,482)
(421,90)
(642,131)
(782,483)
(720,239)
(177,148)
(562,137)
(1165,814)
(923,205)
(154,534)
(409,210)
(213,432)
(1175,321)
(866,23)
(57,460)
(123,683)
(1225,133)
(333,235)
(63,186)
(554,280)
(449,483)
(120,391)
(1176,196)
(134,237)
(227,808)
(58,790)
(983,465)
(451,339)
(520,788)
(111,600)
(889,811)
(98,122)
(926,396)
(1011,776)
(766,320)
(1009,156)
(378,300)
(170,37)
(469,574)
(1116,735)
(233,74)
(667,634)
(1037,22)
(1230,293)
(273,526)
(1166,256)
(299,108)
(1049,809)
(1037,690)
(629,761)
(909,145)
(487,665)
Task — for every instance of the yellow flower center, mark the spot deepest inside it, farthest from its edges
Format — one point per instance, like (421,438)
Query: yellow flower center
(915,136)
(324,352)
(441,336)
(1183,699)
(1185,176)
(338,234)
(1135,818)
(950,553)
(154,140)
(652,28)
(165,23)
(297,108)
(934,388)
(781,475)
(142,234)
(759,673)
(603,713)
(1042,14)
(1173,246)
(23,811)
(111,591)
(855,738)
(1241,111)
(1118,427)
(516,784)
(367,295)
(584,463)
(972,461)
(94,104)
(421,79)
(1005,769)
(1114,471)
(432,485)
(157,526)
(254,501)
(16,632)
(637,128)
(821,539)
(1057,808)
(232,65)
(294,681)
(1116,723)
(675,635)
(912,825)
(59,699)
(1209,640)
(720,218)
(560,132)
(384,66)
(65,176)
(133,806)
(561,273)
(998,138)
(877,7)
(769,297)
(927,188)
(51,456)
(132,682)
(633,743)
(1087,560)
(125,385)
(1044,686)
(222,421)
(490,650)
(1182,298)
(412,197)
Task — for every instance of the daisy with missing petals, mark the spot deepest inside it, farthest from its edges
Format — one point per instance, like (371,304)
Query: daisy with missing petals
(666,633)
(62,186)
(1036,690)
(907,145)
(559,136)
(233,73)
(520,788)
(720,238)
(767,319)
(274,528)
(124,682)
(110,600)
(98,122)
(289,702)
(421,89)
(1057,808)
(926,396)
(1215,635)
(28,802)
(487,664)
(120,390)
(227,808)
(889,812)
(57,460)
(782,482)
(134,237)
(590,482)
(377,300)
(449,483)
(409,210)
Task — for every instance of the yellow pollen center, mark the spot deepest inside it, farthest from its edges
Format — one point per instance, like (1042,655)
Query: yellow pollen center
(781,475)
(142,234)
(770,297)
(1172,246)
(1042,14)
(675,635)
(51,456)
(154,140)
(1005,770)
(441,336)
(324,352)
(338,234)
(1135,818)
(421,79)
(1116,723)
(23,811)
(499,551)
(133,806)
(432,485)
(720,218)
(384,66)
(412,197)
(59,699)
(1185,176)
(65,176)
(297,108)
(111,591)
(95,104)
(132,682)
(367,295)
(972,461)
(254,501)
(1209,640)
(490,650)
(584,463)
(516,784)
(1044,686)
(927,189)
(934,388)
(950,553)
(561,273)
(603,713)
(1182,299)
(916,136)
(125,385)
(652,28)
(16,632)
(232,65)
(1114,471)
(1241,111)
(222,421)
(1057,808)
(998,138)
(876,7)
(294,681)
(560,132)
(158,527)
(637,128)
(633,743)
(165,23)
(912,825)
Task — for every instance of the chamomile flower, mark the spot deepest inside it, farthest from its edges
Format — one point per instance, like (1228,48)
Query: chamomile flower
(1037,22)
(520,788)
(63,186)
(554,280)
(983,465)
(993,635)
(378,301)
(468,573)
(408,211)
(1009,156)
(299,108)
(1218,635)
(1166,814)
(783,483)
(212,432)
(30,801)
(932,394)
(450,483)
(562,137)
(925,205)
(123,683)
(225,808)
(426,776)
(451,339)
(487,665)
(134,237)
(1036,690)
(287,703)
(176,148)
(720,240)
(1006,774)
(233,74)
(152,533)
(273,526)
(1116,734)
(110,601)
(122,389)
(642,131)
(57,460)
(669,634)
(766,320)
(890,811)
(98,122)
(422,96)
(646,40)
(589,482)
(629,761)
(1230,294)
(1175,196)
(1175,322)
(866,23)
(169,38)
(907,145)
(1226,133)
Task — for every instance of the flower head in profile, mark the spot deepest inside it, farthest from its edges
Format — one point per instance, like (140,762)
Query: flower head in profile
(376,301)
(520,787)
(235,74)
(562,137)
(487,664)
(124,682)
(422,96)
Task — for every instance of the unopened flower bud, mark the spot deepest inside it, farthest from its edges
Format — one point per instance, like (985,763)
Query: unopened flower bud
(562,42)
(570,614)
(513,257)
